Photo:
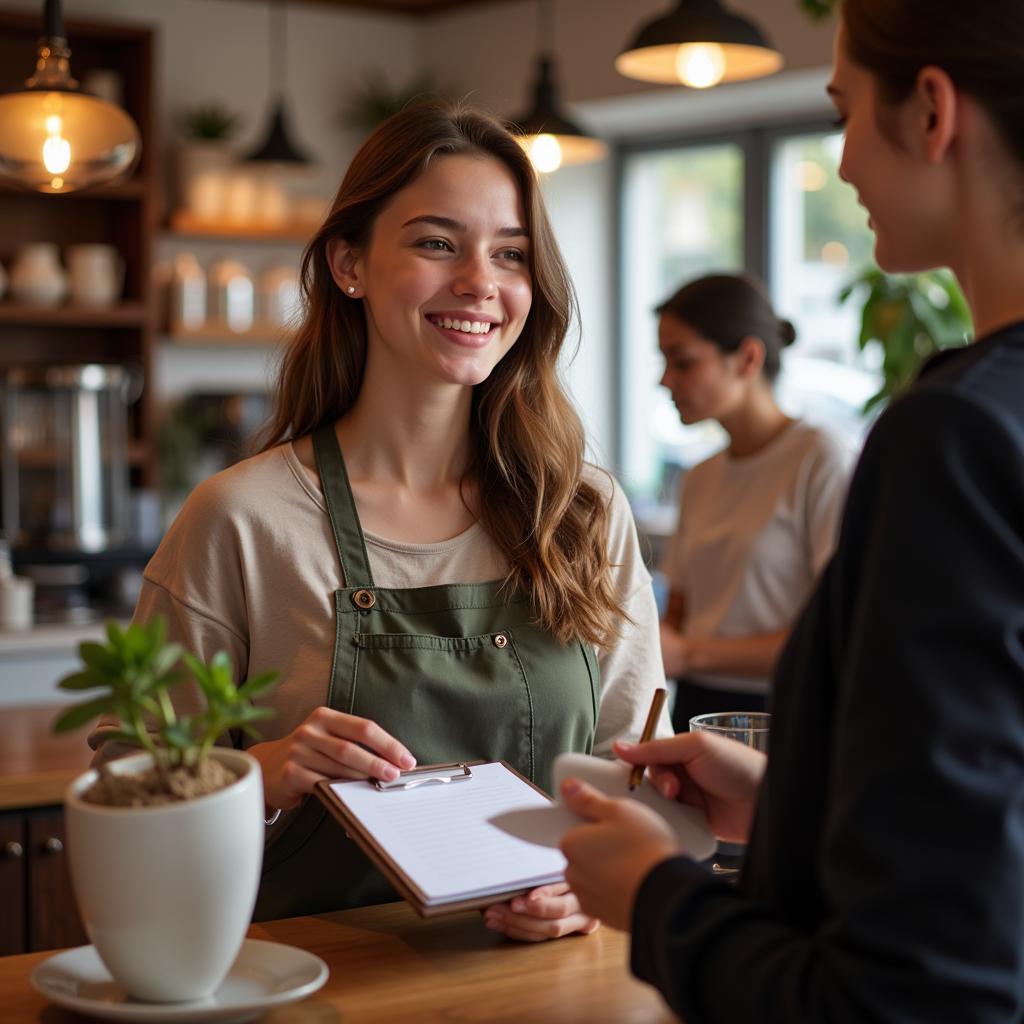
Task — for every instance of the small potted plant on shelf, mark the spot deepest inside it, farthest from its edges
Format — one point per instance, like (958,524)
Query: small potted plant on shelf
(205,160)
(165,846)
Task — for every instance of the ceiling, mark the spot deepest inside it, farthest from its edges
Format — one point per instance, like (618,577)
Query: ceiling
(422,7)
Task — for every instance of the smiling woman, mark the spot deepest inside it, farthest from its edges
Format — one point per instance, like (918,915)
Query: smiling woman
(419,549)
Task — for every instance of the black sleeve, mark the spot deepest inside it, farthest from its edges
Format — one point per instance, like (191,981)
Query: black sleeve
(920,859)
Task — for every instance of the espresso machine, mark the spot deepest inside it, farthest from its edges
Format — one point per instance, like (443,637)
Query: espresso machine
(65,484)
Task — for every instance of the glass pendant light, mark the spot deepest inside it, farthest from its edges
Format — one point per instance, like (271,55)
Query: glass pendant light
(277,146)
(552,139)
(699,44)
(54,138)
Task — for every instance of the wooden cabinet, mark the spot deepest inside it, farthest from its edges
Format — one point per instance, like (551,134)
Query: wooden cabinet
(35,888)
(123,215)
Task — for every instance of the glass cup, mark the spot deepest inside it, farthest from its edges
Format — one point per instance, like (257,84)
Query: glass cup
(750,728)
(747,727)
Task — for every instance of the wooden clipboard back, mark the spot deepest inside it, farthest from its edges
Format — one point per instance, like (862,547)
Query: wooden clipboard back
(382,860)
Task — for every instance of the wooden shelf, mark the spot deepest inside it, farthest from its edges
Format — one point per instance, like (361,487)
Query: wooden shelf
(216,334)
(135,188)
(125,314)
(186,225)
(47,458)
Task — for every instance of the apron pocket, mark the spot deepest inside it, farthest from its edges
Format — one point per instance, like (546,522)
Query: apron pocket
(447,698)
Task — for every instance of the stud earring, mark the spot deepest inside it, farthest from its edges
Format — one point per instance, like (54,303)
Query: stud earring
(351,289)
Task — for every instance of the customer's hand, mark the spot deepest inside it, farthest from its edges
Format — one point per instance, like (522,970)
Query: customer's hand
(548,912)
(675,655)
(717,775)
(611,855)
(327,745)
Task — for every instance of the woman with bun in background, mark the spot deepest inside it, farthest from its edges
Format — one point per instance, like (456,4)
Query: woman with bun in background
(757,521)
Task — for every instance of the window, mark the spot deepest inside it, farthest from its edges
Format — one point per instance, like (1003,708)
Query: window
(770,201)
(683,213)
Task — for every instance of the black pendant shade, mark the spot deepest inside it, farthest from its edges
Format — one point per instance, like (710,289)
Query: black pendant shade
(699,44)
(277,146)
(551,138)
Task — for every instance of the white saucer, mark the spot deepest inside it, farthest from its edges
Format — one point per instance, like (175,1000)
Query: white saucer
(265,975)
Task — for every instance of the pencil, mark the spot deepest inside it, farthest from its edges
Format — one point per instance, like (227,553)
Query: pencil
(636,776)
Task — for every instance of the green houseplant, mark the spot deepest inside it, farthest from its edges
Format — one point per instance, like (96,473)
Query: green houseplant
(909,316)
(135,670)
(166,874)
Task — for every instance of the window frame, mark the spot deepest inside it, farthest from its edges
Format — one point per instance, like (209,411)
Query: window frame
(757,144)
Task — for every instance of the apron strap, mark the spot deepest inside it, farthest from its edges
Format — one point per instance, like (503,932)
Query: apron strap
(341,508)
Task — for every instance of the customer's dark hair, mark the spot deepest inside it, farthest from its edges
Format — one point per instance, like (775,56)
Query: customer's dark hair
(725,309)
(979,45)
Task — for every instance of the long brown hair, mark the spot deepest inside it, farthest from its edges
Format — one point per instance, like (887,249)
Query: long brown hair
(526,440)
(980,46)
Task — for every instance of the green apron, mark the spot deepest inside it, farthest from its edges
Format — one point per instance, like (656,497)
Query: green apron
(456,673)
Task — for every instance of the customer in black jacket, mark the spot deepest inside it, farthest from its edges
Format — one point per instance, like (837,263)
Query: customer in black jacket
(885,875)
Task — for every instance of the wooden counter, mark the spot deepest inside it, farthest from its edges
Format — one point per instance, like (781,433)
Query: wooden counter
(388,965)
(35,765)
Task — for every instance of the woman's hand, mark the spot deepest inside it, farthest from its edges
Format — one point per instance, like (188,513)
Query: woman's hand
(717,775)
(675,655)
(546,913)
(611,856)
(327,745)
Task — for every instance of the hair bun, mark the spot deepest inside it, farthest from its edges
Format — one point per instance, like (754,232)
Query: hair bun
(787,333)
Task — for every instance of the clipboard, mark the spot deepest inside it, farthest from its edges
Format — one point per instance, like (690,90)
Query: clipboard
(444,788)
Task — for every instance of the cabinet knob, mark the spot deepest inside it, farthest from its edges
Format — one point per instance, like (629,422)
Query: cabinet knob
(51,844)
(12,850)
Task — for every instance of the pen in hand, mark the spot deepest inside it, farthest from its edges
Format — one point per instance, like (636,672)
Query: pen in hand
(636,776)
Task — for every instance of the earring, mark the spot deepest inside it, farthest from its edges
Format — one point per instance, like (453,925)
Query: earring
(351,289)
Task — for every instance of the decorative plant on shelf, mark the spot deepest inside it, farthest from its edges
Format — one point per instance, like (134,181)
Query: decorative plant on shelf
(910,317)
(376,99)
(137,668)
(819,9)
(211,121)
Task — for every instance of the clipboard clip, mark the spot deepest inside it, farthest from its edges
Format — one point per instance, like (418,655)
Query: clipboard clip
(442,773)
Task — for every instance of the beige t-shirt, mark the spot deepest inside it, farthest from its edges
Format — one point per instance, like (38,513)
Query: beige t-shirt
(753,535)
(250,566)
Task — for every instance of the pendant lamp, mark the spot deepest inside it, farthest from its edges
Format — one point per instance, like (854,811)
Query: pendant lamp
(54,138)
(552,139)
(698,44)
(277,146)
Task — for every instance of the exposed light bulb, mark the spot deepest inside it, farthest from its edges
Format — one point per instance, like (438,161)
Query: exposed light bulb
(700,65)
(545,153)
(56,150)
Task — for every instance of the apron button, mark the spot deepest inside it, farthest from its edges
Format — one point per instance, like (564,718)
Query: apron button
(364,599)
(501,641)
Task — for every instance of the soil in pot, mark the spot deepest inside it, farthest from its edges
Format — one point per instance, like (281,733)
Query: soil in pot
(152,788)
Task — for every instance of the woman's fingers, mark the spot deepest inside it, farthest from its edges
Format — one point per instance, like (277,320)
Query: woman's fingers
(527,928)
(358,745)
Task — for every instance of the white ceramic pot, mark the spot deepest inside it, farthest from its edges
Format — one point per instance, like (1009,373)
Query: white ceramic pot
(203,171)
(37,277)
(166,893)
(97,274)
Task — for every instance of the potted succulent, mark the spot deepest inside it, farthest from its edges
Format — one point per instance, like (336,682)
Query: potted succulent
(165,846)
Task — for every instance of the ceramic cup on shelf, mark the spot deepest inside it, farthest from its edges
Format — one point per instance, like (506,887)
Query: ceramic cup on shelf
(97,274)
(187,306)
(37,278)
(232,295)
